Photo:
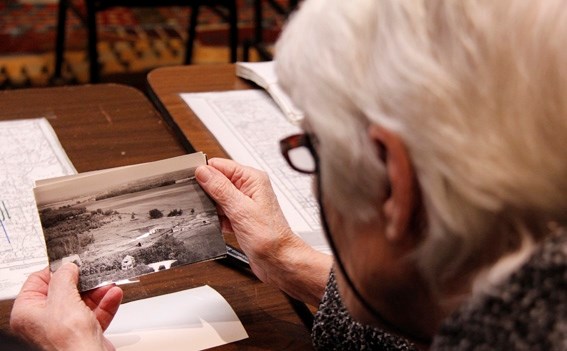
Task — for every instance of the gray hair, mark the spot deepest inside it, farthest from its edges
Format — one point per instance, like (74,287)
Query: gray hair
(476,89)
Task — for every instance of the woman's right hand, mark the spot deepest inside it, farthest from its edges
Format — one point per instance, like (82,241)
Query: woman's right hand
(248,207)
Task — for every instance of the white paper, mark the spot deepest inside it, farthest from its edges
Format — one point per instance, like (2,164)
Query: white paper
(29,150)
(193,319)
(249,127)
(264,75)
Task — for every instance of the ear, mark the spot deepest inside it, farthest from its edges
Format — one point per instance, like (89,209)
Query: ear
(400,205)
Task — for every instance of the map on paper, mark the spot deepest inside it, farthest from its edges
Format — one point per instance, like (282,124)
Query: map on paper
(29,150)
(249,125)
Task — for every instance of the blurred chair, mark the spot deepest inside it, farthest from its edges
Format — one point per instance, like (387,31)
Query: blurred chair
(94,6)
(257,41)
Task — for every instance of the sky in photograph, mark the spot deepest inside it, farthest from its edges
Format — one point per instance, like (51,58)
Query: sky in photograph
(95,182)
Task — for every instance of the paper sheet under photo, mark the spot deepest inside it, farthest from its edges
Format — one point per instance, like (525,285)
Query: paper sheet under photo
(194,319)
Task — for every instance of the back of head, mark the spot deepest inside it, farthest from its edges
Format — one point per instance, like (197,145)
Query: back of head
(477,89)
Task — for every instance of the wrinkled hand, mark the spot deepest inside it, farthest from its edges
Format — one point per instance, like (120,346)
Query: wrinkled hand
(248,208)
(49,311)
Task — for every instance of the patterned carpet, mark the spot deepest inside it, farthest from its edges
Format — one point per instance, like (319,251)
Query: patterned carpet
(131,42)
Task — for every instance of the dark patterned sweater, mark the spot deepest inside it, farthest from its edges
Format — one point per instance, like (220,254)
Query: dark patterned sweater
(528,311)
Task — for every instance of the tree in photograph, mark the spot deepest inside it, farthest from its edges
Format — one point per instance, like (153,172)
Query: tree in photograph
(166,247)
(175,212)
(155,213)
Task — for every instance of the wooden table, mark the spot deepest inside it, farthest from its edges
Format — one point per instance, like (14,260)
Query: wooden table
(102,126)
(165,85)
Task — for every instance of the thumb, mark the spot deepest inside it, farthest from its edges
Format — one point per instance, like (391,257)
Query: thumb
(63,283)
(217,185)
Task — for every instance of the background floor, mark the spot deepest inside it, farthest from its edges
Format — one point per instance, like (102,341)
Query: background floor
(132,41)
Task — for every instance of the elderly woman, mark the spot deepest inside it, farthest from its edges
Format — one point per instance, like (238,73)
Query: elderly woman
(437,135)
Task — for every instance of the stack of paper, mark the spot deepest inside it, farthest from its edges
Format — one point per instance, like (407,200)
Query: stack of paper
(120,223)
(264,75)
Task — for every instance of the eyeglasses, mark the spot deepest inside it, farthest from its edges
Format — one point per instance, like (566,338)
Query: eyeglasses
(299,153)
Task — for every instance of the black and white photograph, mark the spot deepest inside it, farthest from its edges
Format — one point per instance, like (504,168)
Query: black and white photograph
(121,223)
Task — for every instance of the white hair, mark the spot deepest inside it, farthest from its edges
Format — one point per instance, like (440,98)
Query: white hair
(477,90)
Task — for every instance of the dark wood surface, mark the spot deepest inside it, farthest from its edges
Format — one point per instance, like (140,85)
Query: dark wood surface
(165,85)
(103,126)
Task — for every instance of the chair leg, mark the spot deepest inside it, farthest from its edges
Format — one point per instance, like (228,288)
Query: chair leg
(192,32)
(233,24)
(258,18)
(246,46)
(94,73)
(60,39)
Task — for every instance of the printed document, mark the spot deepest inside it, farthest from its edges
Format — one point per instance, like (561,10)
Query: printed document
(249,125)
(29,150)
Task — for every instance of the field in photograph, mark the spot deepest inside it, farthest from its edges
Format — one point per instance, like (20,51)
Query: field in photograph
(167,225)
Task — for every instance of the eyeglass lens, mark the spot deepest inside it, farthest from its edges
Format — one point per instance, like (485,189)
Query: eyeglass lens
(302,159)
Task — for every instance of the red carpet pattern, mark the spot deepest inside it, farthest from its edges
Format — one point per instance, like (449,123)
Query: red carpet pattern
(131,40)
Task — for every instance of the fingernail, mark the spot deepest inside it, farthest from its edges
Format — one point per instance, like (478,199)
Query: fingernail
(69,264)
(203,173)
